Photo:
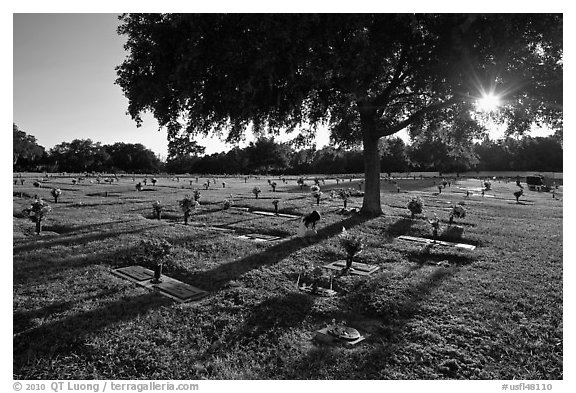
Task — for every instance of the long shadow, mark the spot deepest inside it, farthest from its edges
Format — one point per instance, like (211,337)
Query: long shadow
(374,363)
(86,238)
(217,278)
(400,227)
(59,228)
(67,335)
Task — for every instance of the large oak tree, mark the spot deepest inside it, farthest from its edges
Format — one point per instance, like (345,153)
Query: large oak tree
(363,76)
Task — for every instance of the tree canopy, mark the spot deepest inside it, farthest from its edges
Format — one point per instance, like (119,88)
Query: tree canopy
(364,76)
(24,146)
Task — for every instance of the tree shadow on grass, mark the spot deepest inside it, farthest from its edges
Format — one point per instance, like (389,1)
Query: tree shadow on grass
(67,335)
(39,243)
(400,227)
(217,278)
(373,358)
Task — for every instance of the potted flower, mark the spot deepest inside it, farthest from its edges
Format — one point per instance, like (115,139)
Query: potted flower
(226,204)
(56,193)
(487,185)
(37,213)
(154,181)
(435,223)
(518,194)
(273,185)
(223,184)
(344,195)
(300,182)
(157,209)
(415,206)
(316,193)
(188,205)
(207,185)
(139,187)
(196,195)
(275,203)
(352,244)
(157,250)
(256,191)
(458,212)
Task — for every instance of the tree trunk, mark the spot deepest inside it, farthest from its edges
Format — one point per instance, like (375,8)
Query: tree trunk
(371,203)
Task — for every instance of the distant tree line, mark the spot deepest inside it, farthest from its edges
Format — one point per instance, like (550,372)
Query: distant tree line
(266,156)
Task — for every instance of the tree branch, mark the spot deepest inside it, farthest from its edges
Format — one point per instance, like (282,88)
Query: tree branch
(415,116)
(384,97)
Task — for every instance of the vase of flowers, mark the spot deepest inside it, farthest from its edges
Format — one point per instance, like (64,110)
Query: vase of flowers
(458,212)
(157,209)
(256,191)
(37,213)
(352,244)
(56,194)
(188,204)
(344,195)
(275,203)
(316,193)
(157,250)
(435,223)
(415,205)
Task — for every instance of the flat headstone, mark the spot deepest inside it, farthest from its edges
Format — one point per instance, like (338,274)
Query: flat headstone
(180,290)
(272,214)
(263,237)
(361,269)
(137,273)
(439,242)
(169,286)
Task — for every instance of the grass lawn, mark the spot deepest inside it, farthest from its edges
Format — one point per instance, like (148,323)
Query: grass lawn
(494,313)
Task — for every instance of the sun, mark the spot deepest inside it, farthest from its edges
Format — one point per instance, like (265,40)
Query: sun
(488,103)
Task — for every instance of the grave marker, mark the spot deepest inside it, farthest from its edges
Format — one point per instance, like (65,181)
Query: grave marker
(361,269)
(438,242)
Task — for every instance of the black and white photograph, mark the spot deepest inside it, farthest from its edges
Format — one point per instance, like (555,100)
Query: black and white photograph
(296,196)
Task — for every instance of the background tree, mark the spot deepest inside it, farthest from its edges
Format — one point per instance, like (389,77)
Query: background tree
(80,155)
(265,154)
(134,158)
(24,147)
(393,155)
(366,76)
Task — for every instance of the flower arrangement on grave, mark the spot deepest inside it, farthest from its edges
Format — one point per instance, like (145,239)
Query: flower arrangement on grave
(157,250)
(139,186)
(226,204)
(207,185)
(275,203)
(518,194)
(435,223)
(316,193)
(256,191)
(196,194)
(415,206)
(157,209)
(154,181)
(352,244)
(273,185)
(223,184)
(36,184)
(22,181)
(56,194)
(458,212)
(439,189)
(300,182)
(344,195)
(74,181)
(487,185)
(188,205)
(37,212)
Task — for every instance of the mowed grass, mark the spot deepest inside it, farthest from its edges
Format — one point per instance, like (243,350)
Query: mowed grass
(494,313)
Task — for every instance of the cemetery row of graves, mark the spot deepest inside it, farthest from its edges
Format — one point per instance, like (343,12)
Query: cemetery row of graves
(200,277)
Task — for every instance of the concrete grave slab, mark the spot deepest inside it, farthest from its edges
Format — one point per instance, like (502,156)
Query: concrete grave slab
(437,242)
(169,287)
(361,269)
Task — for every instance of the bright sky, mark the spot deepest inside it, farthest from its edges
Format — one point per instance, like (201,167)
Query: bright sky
(64,73)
